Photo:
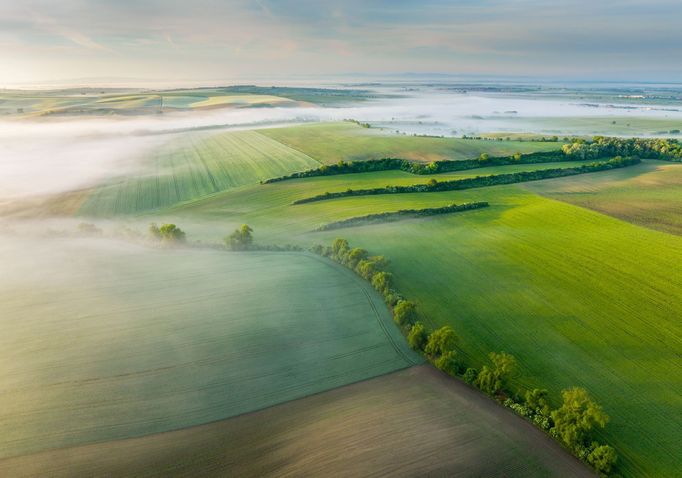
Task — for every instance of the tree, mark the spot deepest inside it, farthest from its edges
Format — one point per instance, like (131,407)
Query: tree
(577,416)
(171,233)
(355,256)
(339,249)
(440,341)
(448,362)
(536,400)
(418,336)
(405,311)
(382,281)
(602,458)
(493,379)
(484,157)
(241,239)
(470,375)
(154,231)
(370,266)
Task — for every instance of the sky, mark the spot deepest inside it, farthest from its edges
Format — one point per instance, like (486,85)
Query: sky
(625,40)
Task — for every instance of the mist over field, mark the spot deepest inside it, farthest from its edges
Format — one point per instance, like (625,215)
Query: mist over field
(51,155)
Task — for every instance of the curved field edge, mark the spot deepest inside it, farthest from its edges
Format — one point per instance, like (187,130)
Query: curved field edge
(580,298)
(169,339)
(412,422)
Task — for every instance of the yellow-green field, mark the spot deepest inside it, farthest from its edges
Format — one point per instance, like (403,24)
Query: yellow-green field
(332,142)
(649,194)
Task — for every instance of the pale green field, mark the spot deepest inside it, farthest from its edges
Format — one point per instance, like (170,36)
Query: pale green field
(242,100)
(332,142)
(103,340)
(649,194)
(193,166)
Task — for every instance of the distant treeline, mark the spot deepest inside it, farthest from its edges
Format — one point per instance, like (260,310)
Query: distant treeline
(573,423)
(478,181)
(598,147)
(435,167)
(401,214)
(645,148)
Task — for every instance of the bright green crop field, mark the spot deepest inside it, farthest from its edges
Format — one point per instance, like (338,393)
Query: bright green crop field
(105,340)
(193,166)
(332,142)
(578,297)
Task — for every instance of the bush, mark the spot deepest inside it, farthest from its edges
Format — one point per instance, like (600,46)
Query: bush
(602,458)
(418,336)
(470,375)
(536,400)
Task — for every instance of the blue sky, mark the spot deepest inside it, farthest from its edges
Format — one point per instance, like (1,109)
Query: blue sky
(211,39)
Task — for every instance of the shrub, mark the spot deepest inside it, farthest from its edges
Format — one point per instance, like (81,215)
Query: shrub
(602,458)
(536,400)
(470,375)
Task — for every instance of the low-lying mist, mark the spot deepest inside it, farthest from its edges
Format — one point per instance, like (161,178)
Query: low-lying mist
(54,155)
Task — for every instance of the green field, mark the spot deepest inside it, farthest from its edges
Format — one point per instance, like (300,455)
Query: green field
(648,194)
(332,142)
(578,297)
(192,166)
(105,340)
(581,298)
(415,422)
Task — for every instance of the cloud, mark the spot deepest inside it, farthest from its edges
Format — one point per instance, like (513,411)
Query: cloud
(216,38)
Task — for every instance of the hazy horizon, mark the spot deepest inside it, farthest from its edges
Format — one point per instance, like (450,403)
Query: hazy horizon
(633,41)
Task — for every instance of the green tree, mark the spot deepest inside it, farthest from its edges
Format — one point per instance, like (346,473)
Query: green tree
(440,341)
(493,379)
(536,400)
(484,157)
(382,281)
(171,233)
(470,375)
(339,249)
(602,459)
(418,336)
(448,362)
(241,239)
(577,416)
(355,256)
(405,311)
(370,266)
(154,231)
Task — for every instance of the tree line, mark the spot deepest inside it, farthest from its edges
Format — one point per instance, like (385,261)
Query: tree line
(434,167)
(645,148)
(572,423)
(401,214)
(479,181)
